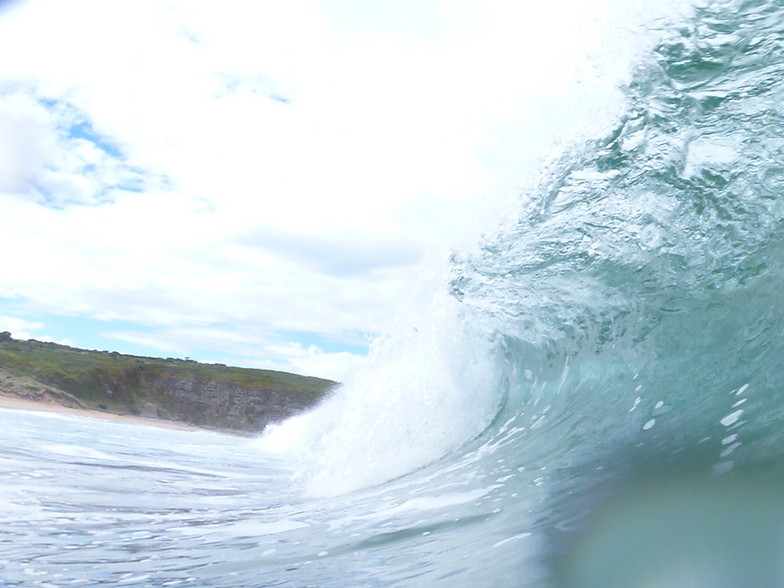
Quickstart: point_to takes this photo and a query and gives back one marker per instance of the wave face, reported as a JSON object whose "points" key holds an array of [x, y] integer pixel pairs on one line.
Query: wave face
{"points": [[623, 333], [643, 280]]}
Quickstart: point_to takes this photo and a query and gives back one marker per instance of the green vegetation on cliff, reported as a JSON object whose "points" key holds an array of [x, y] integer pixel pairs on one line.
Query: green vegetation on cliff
{"points": [[212, 395]]}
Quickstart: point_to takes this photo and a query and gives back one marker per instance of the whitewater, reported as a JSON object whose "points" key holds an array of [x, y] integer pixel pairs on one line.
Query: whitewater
{"points": [[590, 393]]}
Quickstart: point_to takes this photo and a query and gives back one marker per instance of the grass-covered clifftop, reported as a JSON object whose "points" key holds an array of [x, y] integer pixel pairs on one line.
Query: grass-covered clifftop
{"points": [[210, 395]]}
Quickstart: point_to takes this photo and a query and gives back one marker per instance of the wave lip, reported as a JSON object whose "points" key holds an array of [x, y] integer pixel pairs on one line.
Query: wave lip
{"points": [[422, 393]]}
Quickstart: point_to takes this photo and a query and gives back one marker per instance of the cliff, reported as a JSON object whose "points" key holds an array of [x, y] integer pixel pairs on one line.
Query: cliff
{"points": [[214, 396]]}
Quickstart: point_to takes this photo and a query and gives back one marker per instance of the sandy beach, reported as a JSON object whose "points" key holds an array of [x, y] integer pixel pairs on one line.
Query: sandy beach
{"points": [[13, 402]]}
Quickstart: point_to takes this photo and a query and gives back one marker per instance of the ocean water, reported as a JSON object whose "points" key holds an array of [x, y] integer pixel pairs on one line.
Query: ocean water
{"points": [[593, 396]]}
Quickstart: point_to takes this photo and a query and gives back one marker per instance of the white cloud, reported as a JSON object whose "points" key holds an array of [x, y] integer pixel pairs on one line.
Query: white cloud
{"points": [[23, 329], [19, 328], [275, 166], [247, 349], [310, 361]]}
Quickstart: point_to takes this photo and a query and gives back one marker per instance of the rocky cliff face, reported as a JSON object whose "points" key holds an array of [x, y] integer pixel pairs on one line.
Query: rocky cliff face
{"points": [[212, 404], [222, 405]]}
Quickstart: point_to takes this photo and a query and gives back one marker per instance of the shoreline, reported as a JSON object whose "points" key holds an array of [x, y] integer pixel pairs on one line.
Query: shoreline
{"points": [[16, 403]]}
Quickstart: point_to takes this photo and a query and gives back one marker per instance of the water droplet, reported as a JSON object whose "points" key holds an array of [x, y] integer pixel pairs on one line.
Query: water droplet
{"points": [[729, 449], [731, 418], [723, 467]]}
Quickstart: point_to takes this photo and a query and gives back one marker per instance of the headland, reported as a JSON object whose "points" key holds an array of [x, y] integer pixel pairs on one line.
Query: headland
{"points": [[171, 392]]}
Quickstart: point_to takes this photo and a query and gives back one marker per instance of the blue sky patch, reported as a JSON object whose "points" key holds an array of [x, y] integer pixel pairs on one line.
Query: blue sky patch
{"points": [[84, 130]]}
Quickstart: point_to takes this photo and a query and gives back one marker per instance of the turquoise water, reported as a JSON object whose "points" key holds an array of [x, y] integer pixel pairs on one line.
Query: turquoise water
{"points": [[596, 400]]}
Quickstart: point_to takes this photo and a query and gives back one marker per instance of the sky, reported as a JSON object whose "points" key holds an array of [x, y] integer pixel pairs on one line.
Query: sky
{"points": [[260, 183]]}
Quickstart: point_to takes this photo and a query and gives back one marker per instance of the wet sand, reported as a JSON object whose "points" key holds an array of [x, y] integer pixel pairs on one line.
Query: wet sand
{"points": [[14, 402]]}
